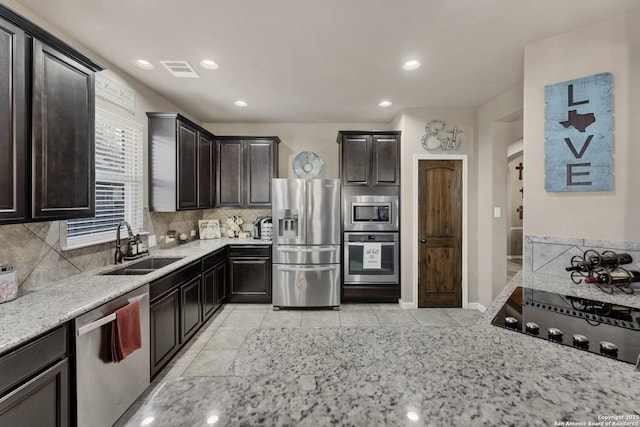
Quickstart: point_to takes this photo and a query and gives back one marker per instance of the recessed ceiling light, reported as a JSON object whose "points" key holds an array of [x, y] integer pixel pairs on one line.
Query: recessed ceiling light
{"points": [[385, 103], [208, 64], [411, 65], [143, 63], [240, 103]]}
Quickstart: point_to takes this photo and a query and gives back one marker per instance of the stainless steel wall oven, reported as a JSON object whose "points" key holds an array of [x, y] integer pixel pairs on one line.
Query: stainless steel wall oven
{"points": [[371, 258]]}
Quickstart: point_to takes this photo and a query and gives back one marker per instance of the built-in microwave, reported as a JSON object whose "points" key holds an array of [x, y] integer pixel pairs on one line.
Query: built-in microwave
{"points": [[371, 213]]}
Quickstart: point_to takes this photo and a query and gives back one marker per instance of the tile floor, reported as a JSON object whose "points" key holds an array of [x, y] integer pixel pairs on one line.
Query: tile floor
{"points": [[211, 353]]}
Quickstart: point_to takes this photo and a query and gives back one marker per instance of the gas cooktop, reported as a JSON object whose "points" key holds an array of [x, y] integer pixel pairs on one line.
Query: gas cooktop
{"points": [[610, 330]]}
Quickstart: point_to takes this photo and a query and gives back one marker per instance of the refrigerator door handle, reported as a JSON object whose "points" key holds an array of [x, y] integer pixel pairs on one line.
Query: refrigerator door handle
{"points": [[298, 269], [308, 249]]}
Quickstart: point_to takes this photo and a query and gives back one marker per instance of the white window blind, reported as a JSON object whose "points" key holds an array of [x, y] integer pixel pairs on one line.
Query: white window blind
{"points": [[118, 182]]}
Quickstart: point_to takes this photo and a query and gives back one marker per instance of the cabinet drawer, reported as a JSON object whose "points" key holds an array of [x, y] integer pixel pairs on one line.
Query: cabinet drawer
{"points": [[171, 280], [213, 259], [250, 251], [19, 365]]}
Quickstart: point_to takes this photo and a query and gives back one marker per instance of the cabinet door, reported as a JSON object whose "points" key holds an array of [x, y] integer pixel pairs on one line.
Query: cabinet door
{"points": [[249, 279], [208, 293], [259, 170], [206, 175], [63, 127], [356, 159], [221, 284], [385, 160], [191, 308], [42, 401], [187, 167], [230, 172], [13, 119], [213, 289], [165, 330]]}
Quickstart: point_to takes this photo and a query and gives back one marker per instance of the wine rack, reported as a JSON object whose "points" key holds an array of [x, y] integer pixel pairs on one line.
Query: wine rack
{"points": [[604, 270]]}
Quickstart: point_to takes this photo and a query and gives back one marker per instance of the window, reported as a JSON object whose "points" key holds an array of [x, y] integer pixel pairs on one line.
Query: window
{"points": [[118, 182]]}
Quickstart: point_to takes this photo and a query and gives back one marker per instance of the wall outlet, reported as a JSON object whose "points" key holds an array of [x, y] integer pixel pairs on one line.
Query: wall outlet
{"points": [[193, 233], [152, 240]]}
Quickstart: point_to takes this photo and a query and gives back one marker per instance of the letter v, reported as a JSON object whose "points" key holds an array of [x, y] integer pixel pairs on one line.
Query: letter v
{"points": [[584, 147]]}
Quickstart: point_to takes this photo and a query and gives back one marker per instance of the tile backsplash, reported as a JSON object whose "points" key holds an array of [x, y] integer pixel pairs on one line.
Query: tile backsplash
{"points": [[35, 252], [550, 254]]}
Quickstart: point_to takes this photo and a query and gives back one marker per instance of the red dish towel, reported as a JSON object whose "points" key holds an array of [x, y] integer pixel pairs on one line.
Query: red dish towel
{"points": [[125, 332]]}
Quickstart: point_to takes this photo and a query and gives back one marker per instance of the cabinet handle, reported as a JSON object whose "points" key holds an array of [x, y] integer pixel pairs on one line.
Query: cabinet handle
{"points": [[423, 241]]}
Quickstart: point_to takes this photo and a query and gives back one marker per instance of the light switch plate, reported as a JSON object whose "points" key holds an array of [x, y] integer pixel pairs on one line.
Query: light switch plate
{"points": [[497, 212], [193, 233]]}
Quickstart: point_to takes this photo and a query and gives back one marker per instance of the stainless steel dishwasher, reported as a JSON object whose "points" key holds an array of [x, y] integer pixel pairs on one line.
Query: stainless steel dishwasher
{"points": [[106, 389]]}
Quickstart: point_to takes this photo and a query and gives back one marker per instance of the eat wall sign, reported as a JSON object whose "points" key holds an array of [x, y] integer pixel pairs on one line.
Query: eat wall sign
{"points": [[578, 134]]}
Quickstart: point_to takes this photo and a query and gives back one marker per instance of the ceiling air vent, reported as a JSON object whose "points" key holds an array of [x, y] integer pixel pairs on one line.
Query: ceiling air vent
{"points": [[180, 69]]}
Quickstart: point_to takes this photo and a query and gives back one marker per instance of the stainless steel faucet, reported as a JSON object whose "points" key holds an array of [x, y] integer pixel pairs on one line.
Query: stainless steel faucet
{"points": [[119, 254]]}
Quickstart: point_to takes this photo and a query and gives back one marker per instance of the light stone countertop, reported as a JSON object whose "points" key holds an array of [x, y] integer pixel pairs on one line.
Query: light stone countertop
{"points": [[47, 306], [481, 375]]}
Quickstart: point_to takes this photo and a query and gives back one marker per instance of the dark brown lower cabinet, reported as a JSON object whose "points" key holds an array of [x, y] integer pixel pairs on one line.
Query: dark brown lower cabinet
{"points": [[249, 274], [214, 283], [165, 329], [34, 383], [191, 308]]}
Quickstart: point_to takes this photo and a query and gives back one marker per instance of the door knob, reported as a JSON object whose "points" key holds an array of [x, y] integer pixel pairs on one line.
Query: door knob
{"points": [[423, 241]]}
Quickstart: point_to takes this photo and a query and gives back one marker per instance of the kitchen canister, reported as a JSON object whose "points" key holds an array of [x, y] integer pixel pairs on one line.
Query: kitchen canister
{"points": [[8, 283]]}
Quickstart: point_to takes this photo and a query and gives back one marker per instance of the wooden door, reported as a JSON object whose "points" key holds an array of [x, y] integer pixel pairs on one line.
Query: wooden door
{"points": [[440, 233]]}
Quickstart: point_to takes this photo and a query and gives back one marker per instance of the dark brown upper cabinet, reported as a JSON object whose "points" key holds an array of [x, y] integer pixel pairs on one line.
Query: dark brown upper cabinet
{"points": [[245, 166], [47, 129], [181, 164], [369, 158]]}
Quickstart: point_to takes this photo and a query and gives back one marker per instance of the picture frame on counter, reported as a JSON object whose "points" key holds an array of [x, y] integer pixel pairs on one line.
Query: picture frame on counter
{"points": [[209, 229]]}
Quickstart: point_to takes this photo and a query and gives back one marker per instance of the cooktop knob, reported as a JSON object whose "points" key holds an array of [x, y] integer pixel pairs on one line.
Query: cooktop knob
{"points": [[511, 322], [580, 341], [532, 328], [608, 349], [554, 334]]}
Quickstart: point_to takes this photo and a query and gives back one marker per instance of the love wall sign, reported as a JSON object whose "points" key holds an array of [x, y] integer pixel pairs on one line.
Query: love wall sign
{"points": [[578, 134]]}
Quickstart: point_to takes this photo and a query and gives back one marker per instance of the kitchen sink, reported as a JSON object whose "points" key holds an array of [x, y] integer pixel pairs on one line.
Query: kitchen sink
{"points": [[142, 267]]}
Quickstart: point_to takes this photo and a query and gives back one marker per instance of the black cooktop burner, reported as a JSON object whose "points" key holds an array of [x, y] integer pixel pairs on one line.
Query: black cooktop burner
{"points": [[607, 329]]}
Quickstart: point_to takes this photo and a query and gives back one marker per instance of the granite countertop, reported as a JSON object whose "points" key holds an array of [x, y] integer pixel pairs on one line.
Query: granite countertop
{"points": [[47, 306], [480, 375]]}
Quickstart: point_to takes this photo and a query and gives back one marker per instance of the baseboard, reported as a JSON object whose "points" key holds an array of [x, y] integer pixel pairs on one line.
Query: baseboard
{"points": [[407, 305], [477, 306]]}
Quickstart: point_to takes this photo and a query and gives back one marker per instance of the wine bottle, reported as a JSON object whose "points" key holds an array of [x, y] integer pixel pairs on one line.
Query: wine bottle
{"points": [[615, 278], [608, 260]]}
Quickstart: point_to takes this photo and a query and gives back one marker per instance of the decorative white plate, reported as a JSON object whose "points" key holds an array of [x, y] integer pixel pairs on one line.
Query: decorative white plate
{"points": [[307, 164]]}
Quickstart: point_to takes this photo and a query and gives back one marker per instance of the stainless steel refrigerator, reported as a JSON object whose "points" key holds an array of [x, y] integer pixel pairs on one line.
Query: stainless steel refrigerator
{"points": [[306, 242]]}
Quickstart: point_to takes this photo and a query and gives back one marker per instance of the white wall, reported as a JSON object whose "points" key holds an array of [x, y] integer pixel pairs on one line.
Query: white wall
{"points": [[296, 137], [610, 46], [412, 124], [496, 131]]}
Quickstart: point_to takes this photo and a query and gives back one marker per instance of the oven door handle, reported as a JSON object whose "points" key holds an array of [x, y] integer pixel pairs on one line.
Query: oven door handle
{"points": [[363, 243], [85, 329], [318, 249], [310, 268]]}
